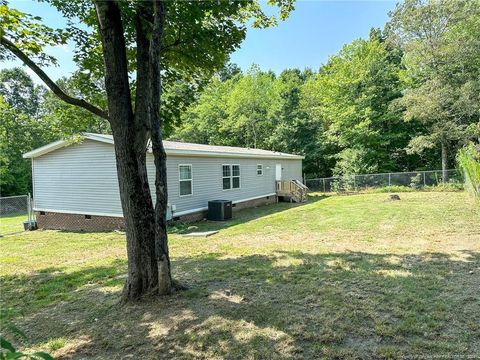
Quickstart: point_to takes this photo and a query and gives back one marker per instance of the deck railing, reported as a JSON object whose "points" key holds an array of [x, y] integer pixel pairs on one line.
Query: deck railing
{"points": [[294, 189]]}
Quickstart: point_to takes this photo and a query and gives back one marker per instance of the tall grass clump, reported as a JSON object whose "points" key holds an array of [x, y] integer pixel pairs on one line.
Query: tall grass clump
{"points": [[468, 160]]}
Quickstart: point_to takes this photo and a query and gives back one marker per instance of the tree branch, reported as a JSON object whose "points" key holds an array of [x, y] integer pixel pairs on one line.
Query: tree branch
{"points": [[143, 29], [177, 41], [115, 60], [50, 83]]}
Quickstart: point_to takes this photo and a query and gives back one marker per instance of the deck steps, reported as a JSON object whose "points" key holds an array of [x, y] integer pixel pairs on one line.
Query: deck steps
{"points": [[292, 190]]}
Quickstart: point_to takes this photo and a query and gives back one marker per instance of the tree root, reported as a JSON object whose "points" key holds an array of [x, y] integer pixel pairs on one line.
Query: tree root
{"points": [[177, 286]]}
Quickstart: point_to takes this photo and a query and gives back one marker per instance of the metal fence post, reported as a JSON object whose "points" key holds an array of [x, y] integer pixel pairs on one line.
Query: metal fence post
{"points": [[29, 208], [324, 186], [424, 181], [389, 179]]}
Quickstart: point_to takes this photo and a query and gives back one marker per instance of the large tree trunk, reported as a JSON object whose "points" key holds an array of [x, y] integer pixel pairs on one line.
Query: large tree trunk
{"points": [[139, 219], [444, 161], [130, 139], [161, 239], [160, 158]]}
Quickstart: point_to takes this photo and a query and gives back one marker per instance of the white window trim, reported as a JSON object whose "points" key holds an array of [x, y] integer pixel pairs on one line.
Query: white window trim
{"points": [[231, 177], [259, 169], [180, 180]]}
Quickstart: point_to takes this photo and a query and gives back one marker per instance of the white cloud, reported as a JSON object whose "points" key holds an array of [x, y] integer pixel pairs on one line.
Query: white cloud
{"points": [[63, 47]]}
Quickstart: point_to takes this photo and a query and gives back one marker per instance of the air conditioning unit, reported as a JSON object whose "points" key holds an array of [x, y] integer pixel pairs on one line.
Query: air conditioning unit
{"points": [[219, 210]]}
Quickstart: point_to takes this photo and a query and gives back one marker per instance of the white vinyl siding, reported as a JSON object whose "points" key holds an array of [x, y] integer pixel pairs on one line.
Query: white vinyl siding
{"points": [[208, 181], [291, 169], [82, 179]]}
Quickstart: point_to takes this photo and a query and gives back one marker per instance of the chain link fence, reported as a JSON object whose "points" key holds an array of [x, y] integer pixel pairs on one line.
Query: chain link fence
{"points": [[14, 211], [413, 179]]}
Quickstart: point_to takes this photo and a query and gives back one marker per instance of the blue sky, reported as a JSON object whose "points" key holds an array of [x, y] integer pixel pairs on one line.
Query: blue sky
{"points": [[312, 33]]}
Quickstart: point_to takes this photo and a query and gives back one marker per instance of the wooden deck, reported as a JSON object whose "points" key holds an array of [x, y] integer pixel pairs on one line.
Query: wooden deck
{"points": [[292, 190]]}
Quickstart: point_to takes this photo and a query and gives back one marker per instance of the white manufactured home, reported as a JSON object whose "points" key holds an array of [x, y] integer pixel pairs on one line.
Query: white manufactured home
{"points": [[75, 185]]}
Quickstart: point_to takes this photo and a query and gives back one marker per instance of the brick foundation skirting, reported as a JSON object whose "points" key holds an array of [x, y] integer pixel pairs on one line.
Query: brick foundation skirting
{"points": [[63, 221], [256, 202]]}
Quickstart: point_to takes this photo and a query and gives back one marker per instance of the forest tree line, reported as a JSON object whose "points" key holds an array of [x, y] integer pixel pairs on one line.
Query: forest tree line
{"points": [[405, 98]]}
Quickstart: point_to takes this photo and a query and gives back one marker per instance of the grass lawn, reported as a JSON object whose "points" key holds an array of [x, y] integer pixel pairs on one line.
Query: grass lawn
{"points": [[340, 277], [11, 224]]}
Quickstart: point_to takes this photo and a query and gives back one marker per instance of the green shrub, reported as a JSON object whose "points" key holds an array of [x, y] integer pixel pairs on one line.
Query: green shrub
{"points": [[346, 183], [56, 344], [416, 181], [442, 187], [468, 160], [393, 188], [336, 186], [8, 351], [178, 227], [446, 187]]}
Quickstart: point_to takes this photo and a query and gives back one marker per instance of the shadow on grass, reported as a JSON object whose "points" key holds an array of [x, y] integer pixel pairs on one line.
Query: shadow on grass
{"points": [[25, 293], [239, 217], [244, 215], [288, 305]]}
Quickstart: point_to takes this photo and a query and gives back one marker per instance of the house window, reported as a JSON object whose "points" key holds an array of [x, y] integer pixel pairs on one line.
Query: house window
{"points": [[227, 177], [231, 177], [185, 177], [236, 176], [259, 169]]}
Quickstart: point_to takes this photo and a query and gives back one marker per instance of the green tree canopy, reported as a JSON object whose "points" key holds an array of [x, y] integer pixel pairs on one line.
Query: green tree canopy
{"points": [[19, 91], [351, 96], [442, 70]]}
